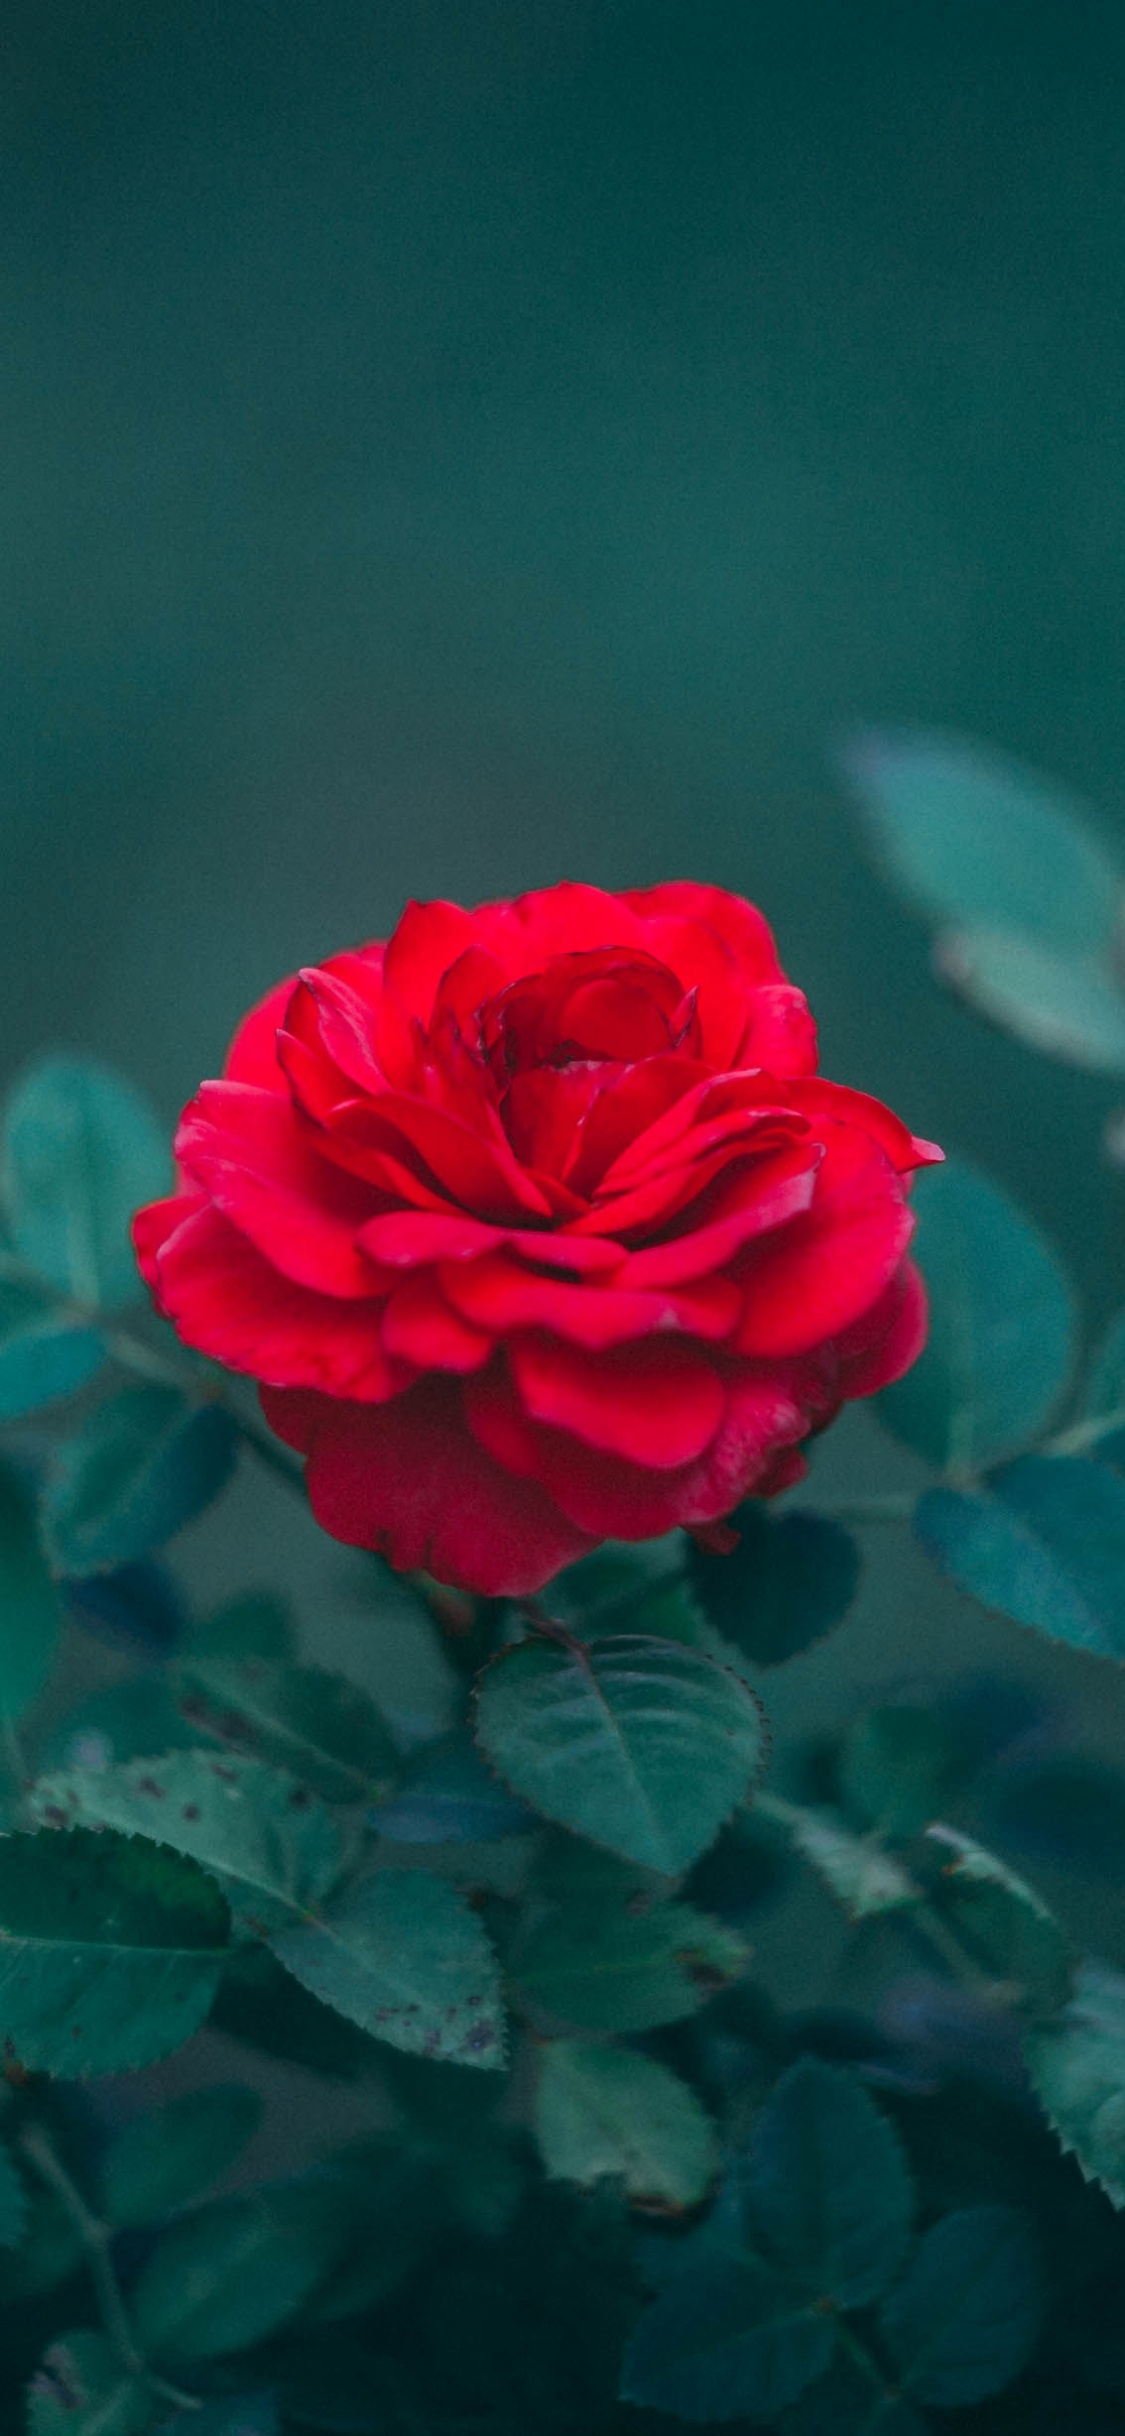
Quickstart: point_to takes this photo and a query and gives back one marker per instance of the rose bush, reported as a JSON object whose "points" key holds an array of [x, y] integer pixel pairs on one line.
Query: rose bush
{"points": [[536, 1226]]}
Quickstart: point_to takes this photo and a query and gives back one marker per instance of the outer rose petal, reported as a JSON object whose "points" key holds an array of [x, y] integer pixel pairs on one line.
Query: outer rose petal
{"points": [[225, 1299], [409, 1480], [811, 1281], [252, 1055], [738, 923], [659, 1402], [889, 1339], [246, 1148]]}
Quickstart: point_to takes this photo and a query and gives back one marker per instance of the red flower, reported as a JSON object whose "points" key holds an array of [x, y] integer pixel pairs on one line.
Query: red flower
{"points": [[536, 1228]]}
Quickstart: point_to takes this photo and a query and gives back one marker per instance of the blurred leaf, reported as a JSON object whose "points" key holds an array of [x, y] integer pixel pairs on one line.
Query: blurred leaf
{"points": [[848, 2402], [827, 2186], [29, 1609], [44, 1352], [1069, 1813], [80, 1150], [262, 2005], [604, 1968], [971, 837], [387, 2195], [446, 1795], [137, 1608], [604, 2112], [861, 1876], [1042, 1541], [272, 1845], [123, 1721], [600, 1591], [13, 2203], [965, 2318], [165, 2157], [317, 1724], [235, 2415], [1003, 1923], [1001, 1338], [898, 1765], [790, 1580], [642, 1745], [1077, 2067], [404, 1957], [110, 1951], [81, 2389], [255, 1625], [230, 2273], [1105, 1393], [143, 1464], [725, 2341], [1066, 1005], [49, 2252]]}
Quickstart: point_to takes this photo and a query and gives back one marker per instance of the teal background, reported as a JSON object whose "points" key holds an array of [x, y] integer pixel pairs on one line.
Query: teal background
{"points": [[450, 445]]}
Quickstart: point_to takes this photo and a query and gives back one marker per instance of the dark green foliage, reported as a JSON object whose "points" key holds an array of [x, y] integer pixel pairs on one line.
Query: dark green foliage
{"points": [[80, 1150], [606, 2113], [326, 1731], [787, 1583], [403, 1956], [29, 1610], [161, 2160], [604, 1969], [1043, 1541], [828, 2190], [1001, 1337], [641, 1744], [727, 2342], [110, 1951], [965, 2317], [45, 1352], [142, 1466]]}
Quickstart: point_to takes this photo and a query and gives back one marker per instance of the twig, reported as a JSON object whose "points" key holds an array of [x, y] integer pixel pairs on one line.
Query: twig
{"points": [[96, 2239]]}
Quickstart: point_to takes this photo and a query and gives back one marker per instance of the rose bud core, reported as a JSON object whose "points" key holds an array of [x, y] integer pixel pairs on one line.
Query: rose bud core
{"points": [[536, 1227]]}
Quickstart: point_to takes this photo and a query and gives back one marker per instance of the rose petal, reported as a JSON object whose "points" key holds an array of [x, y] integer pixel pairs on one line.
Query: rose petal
{"points": [[410, 1480], [421, 1327], [816, 1278], [226, 1300], [247, 1148], [889, 1338], [658, 1402], [841, 1105], [498, 1294], [252, 1055], [760, 1195]]}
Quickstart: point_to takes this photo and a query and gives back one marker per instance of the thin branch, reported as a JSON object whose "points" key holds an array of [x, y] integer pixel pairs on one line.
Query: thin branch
{"points": [[96, 2240]]}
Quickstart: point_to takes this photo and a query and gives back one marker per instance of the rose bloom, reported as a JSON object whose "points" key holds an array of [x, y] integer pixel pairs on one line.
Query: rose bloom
{"points": [[536, 1227]]}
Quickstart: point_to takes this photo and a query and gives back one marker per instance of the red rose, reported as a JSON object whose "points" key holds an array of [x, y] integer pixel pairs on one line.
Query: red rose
{"points": [[536, 1228]]}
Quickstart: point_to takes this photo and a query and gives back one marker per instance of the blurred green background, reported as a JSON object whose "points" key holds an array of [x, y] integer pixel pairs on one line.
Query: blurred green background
{"points": [[452, 447]]}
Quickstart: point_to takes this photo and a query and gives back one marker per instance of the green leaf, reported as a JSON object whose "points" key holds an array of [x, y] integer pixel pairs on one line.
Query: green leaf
{"points": [[1105, 1393], [142, 1465], [49, 2252], [29, 1609], [403, 1956], [642, 1745], [850, 2401], [1077, 2067], [790, 1581], [110, 1951], [446, 1795], [263, 2006], [971, 837], [80, 1150], [1066, 1005], [1007, 1929], [165, 2157], [45, 1352], [320, 1726], [271, 1844], [603, 2112], [81, 2389], [1042, 1541], [898, 1765], [13, 2203], [856, 1870], [233, 2271], [122, 1721], [604, 1968], [1001, 1338], [965, 2318], [828, 2187], [255, 1625], [725, 2341]]}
